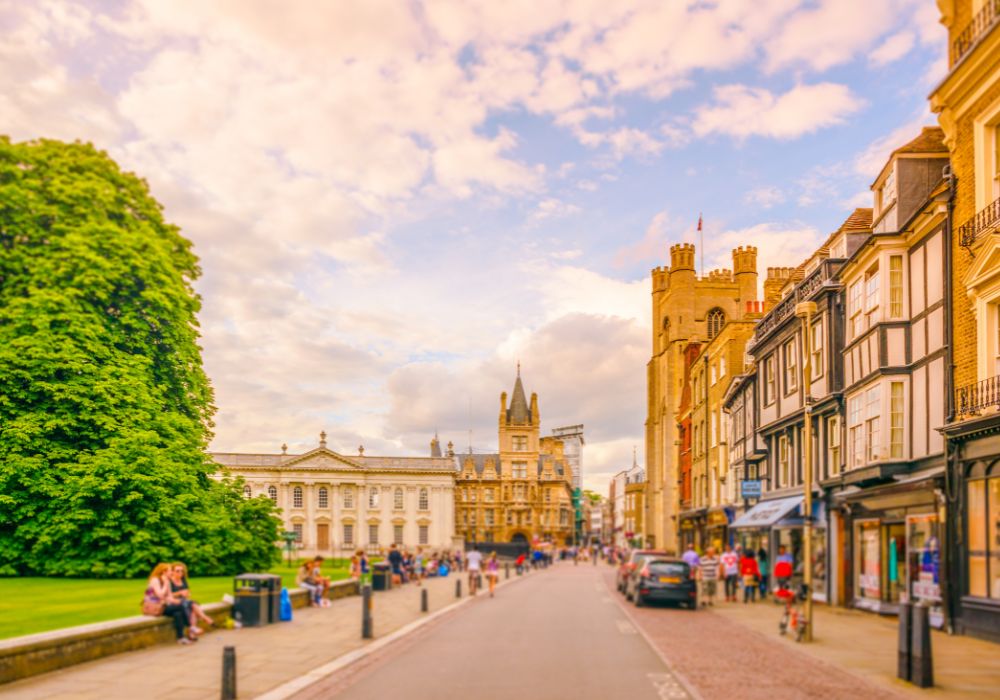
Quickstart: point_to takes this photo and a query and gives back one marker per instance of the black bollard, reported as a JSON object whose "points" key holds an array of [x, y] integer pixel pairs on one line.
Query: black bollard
{"points": [[366, 612], [921, 659], [905, 641], [458, 588], [506, 569], [423, 600], [229, 673]]}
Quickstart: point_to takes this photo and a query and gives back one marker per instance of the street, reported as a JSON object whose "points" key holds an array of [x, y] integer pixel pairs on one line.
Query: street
{"points": [[557, 634]]}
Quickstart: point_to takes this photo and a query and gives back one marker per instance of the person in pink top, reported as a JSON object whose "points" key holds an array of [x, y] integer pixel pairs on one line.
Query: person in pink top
{"points": [[730, 562]]}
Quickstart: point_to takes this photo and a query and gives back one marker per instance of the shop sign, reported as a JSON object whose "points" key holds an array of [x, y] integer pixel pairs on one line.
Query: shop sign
{"points": [[750, 488]]}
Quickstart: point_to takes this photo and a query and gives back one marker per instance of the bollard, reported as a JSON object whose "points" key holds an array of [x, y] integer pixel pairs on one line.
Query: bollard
{"points": [[458, 588], [921, 659], [905, 641], [423, 600], [366, 612], [506, 569], [229, 673]]}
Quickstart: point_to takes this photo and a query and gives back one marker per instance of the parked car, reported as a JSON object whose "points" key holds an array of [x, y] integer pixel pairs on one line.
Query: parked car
{"points": [[666, 579], [631, 565]]}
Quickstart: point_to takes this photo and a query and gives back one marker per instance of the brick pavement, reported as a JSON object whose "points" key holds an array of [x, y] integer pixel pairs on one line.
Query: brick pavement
{"points": [[266, 656]]}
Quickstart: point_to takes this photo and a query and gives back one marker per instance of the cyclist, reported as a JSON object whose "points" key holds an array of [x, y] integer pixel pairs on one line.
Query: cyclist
{"points": [[474, 565]]}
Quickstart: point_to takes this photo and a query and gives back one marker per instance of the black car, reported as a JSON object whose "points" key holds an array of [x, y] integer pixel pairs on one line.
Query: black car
{"points": [[669, 580]]}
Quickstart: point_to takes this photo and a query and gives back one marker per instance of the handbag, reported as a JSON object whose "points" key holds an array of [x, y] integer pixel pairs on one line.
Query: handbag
{"points": [[152, 606], [749, 580]]}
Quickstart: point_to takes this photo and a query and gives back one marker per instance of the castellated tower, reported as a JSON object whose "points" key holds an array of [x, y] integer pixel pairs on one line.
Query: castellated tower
{"points": [[682, 305]]}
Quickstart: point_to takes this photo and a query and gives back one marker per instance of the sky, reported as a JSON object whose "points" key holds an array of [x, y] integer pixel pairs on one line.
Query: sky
{"points": [[395, 202]]}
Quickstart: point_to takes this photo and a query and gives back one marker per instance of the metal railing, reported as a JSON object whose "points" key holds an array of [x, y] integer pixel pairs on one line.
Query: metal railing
{"points": [[981, 23], [972, 399], [986, 219]]}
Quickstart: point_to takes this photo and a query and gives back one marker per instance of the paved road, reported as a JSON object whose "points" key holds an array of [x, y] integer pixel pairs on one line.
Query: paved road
{"points": [[556, 634]]}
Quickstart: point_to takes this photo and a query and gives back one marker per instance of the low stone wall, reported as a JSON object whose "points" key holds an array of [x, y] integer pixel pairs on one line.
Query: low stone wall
{"points": [[22, 657]]}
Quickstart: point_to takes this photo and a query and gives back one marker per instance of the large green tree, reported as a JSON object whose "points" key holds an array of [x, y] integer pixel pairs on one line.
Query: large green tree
{"points": [[105, 410]]}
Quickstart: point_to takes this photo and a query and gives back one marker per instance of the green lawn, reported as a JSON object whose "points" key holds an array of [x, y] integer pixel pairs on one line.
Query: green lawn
{"points": [[30, 605]]}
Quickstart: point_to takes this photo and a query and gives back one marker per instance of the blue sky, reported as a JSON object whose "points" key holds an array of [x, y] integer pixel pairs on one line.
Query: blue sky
{"points": [[394, 202]]}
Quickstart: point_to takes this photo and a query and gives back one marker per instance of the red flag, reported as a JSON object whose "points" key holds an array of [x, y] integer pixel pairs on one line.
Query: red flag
{"points": [[699, 222]]}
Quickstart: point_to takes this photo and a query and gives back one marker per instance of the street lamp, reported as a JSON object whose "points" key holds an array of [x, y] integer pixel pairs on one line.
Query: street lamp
{"points": [[289, 536], [805, 311]]}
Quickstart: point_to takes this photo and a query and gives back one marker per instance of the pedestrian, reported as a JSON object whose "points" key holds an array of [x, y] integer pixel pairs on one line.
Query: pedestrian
{"points": [[396, 562], [730, 563], [691, 557], [708, 569], [764, 571], [784, 566], [418, 565], [492, 572], [751, 576]]}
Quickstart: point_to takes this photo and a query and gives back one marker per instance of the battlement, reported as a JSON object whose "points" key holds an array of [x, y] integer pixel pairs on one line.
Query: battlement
{"points": [[745, 260], [682, 257], [780, 273], [719, 276]]}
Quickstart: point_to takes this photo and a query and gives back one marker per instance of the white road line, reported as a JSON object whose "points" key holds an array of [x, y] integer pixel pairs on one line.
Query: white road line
{"points": [[667, 686], [625, 627]]}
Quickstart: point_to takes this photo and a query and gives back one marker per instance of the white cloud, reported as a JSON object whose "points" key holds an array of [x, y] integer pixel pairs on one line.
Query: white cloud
{"points": [[870, 161], [552, 208], [893, 48], [779, 244], [651, 247], [765, 197], [742, 111]]}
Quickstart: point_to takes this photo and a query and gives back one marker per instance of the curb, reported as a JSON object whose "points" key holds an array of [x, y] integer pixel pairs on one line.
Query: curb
{"points": [[290, 688]]}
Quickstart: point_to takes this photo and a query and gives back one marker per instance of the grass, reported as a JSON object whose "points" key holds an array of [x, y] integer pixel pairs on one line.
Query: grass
{"points": [[30, 605]]}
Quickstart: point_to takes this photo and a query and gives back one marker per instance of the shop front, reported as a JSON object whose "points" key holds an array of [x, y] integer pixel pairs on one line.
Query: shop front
{"points": [[717, 528], [777, 523], [896, 548], [692, 529]]}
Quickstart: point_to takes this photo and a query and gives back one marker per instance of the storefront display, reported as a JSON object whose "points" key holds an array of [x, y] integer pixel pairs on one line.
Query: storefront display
{"points": [[869, 561], [983, 525]]}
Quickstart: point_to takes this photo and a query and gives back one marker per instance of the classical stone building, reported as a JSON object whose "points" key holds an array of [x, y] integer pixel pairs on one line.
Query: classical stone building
{"points": [[523, 492], [337, 503], [685, 307]]}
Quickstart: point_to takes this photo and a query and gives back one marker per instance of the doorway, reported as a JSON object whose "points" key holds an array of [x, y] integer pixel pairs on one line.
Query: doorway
{"points": [[323, 536]]}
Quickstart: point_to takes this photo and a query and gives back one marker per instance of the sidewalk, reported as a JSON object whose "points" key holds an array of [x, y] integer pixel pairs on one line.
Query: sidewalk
{"points": [[265, 656], [865, 645]]}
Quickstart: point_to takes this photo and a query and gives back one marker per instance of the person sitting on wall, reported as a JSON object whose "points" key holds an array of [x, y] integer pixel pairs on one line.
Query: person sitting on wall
{"points": [[182, 592], [304, 579], [323, 581]]}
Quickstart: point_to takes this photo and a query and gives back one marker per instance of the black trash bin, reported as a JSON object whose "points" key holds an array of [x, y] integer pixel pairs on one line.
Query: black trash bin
{"points": [[381, 576], [255, 601]]}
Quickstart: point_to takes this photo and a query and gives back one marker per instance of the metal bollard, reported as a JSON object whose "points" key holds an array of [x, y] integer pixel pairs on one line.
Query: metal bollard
{"points": [[366, 612], [423, 600], [458, 588], [921, 659], [903, 668], [506, 569], [229, 673]]}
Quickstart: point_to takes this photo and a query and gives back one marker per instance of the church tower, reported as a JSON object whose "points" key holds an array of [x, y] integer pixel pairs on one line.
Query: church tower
{"points": [[519, 433]]}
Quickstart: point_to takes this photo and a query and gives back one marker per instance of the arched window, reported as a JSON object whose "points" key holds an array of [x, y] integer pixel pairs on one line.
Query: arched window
{"points": [[715, 321], [247, 493], [323, 497], [272, 493], [423, 503], [297, 497], [397, 499], [348, 497]]}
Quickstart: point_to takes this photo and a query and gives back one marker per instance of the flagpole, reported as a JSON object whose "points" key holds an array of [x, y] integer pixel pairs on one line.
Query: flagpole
{"points": [[701, 244]]}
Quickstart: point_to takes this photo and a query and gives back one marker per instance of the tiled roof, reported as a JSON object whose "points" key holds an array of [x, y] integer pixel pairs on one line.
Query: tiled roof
{"points": [[859, 220], [930, 140]]}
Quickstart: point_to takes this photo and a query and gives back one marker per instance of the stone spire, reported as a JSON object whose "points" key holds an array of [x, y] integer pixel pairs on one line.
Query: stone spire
{"points": [[518, 412], [435, 446]]}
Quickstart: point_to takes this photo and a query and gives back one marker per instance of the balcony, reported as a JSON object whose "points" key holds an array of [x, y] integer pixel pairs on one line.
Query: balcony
{"points": [[986, 220], [981, 23], [973, 399]]}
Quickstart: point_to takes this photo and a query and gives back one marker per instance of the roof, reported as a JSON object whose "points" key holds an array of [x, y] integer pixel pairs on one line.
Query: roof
{"points": [[930, 140], [859, 220], [236, 460], [518, 413]]}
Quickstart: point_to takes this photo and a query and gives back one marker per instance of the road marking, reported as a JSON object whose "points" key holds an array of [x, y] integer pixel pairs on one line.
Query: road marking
{"points": [[667, 686], [625, 627], [606, 599]]}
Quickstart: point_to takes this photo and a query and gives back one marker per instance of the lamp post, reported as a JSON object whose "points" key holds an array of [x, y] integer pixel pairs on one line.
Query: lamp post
{"points": [[289, 537], [805, 311]]}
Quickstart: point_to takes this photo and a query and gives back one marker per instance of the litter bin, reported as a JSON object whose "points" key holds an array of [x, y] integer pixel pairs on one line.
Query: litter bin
{"points": [[381, 576], [256, 599]]}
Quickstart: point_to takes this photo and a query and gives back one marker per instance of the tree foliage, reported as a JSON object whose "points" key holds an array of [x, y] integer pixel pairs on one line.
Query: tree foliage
{"points": [[105, 410]]}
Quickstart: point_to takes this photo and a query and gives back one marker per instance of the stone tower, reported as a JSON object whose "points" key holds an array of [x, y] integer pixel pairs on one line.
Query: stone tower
{"points": [[686, 308]]}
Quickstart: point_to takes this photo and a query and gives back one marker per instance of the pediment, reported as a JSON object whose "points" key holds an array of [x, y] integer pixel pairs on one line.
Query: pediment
{"points": [[322, 458], [986, 266]]}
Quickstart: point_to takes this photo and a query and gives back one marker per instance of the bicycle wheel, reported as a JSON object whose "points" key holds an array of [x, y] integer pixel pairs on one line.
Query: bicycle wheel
{"points": [[783, 623]]}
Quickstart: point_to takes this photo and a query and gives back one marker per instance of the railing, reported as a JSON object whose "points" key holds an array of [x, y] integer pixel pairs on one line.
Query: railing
{"points": [[803, 292], [986, 219], [974, 398], [981, 23]]}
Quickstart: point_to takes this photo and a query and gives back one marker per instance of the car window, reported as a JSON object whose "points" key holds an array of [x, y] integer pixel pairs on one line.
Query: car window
{"points": [[668, 568]]}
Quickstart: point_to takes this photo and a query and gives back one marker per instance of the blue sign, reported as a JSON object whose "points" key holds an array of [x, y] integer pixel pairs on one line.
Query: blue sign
{"points": [[750, 488]]}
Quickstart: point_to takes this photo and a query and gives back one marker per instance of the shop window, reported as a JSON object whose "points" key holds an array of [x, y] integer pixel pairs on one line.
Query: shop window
{"points": [[895, 286], [983, 530], [896, 420], [868, 561], [923, 544]]}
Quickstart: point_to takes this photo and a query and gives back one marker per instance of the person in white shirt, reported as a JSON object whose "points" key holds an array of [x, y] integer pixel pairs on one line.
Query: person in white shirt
{"points": [[730, 561], [474, 565]]}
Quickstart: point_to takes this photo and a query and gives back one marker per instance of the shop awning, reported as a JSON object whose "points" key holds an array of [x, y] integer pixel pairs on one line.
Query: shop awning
{"points": [[767, 513]]}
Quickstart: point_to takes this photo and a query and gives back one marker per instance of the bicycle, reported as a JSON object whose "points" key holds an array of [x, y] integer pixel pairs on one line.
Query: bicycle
{"points": [[794, 615]]}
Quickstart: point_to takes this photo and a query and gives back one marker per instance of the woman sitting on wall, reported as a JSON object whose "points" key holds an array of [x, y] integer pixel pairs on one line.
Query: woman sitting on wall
{"points": [[182, 592], [158, 601]]}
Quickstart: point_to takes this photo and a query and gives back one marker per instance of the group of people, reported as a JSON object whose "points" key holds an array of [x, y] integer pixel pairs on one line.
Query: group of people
{"points": [[168, 594], [739, 569]]}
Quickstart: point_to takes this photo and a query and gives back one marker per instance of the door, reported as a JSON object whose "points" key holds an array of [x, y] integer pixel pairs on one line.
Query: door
{"points": [[323, 536]]}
